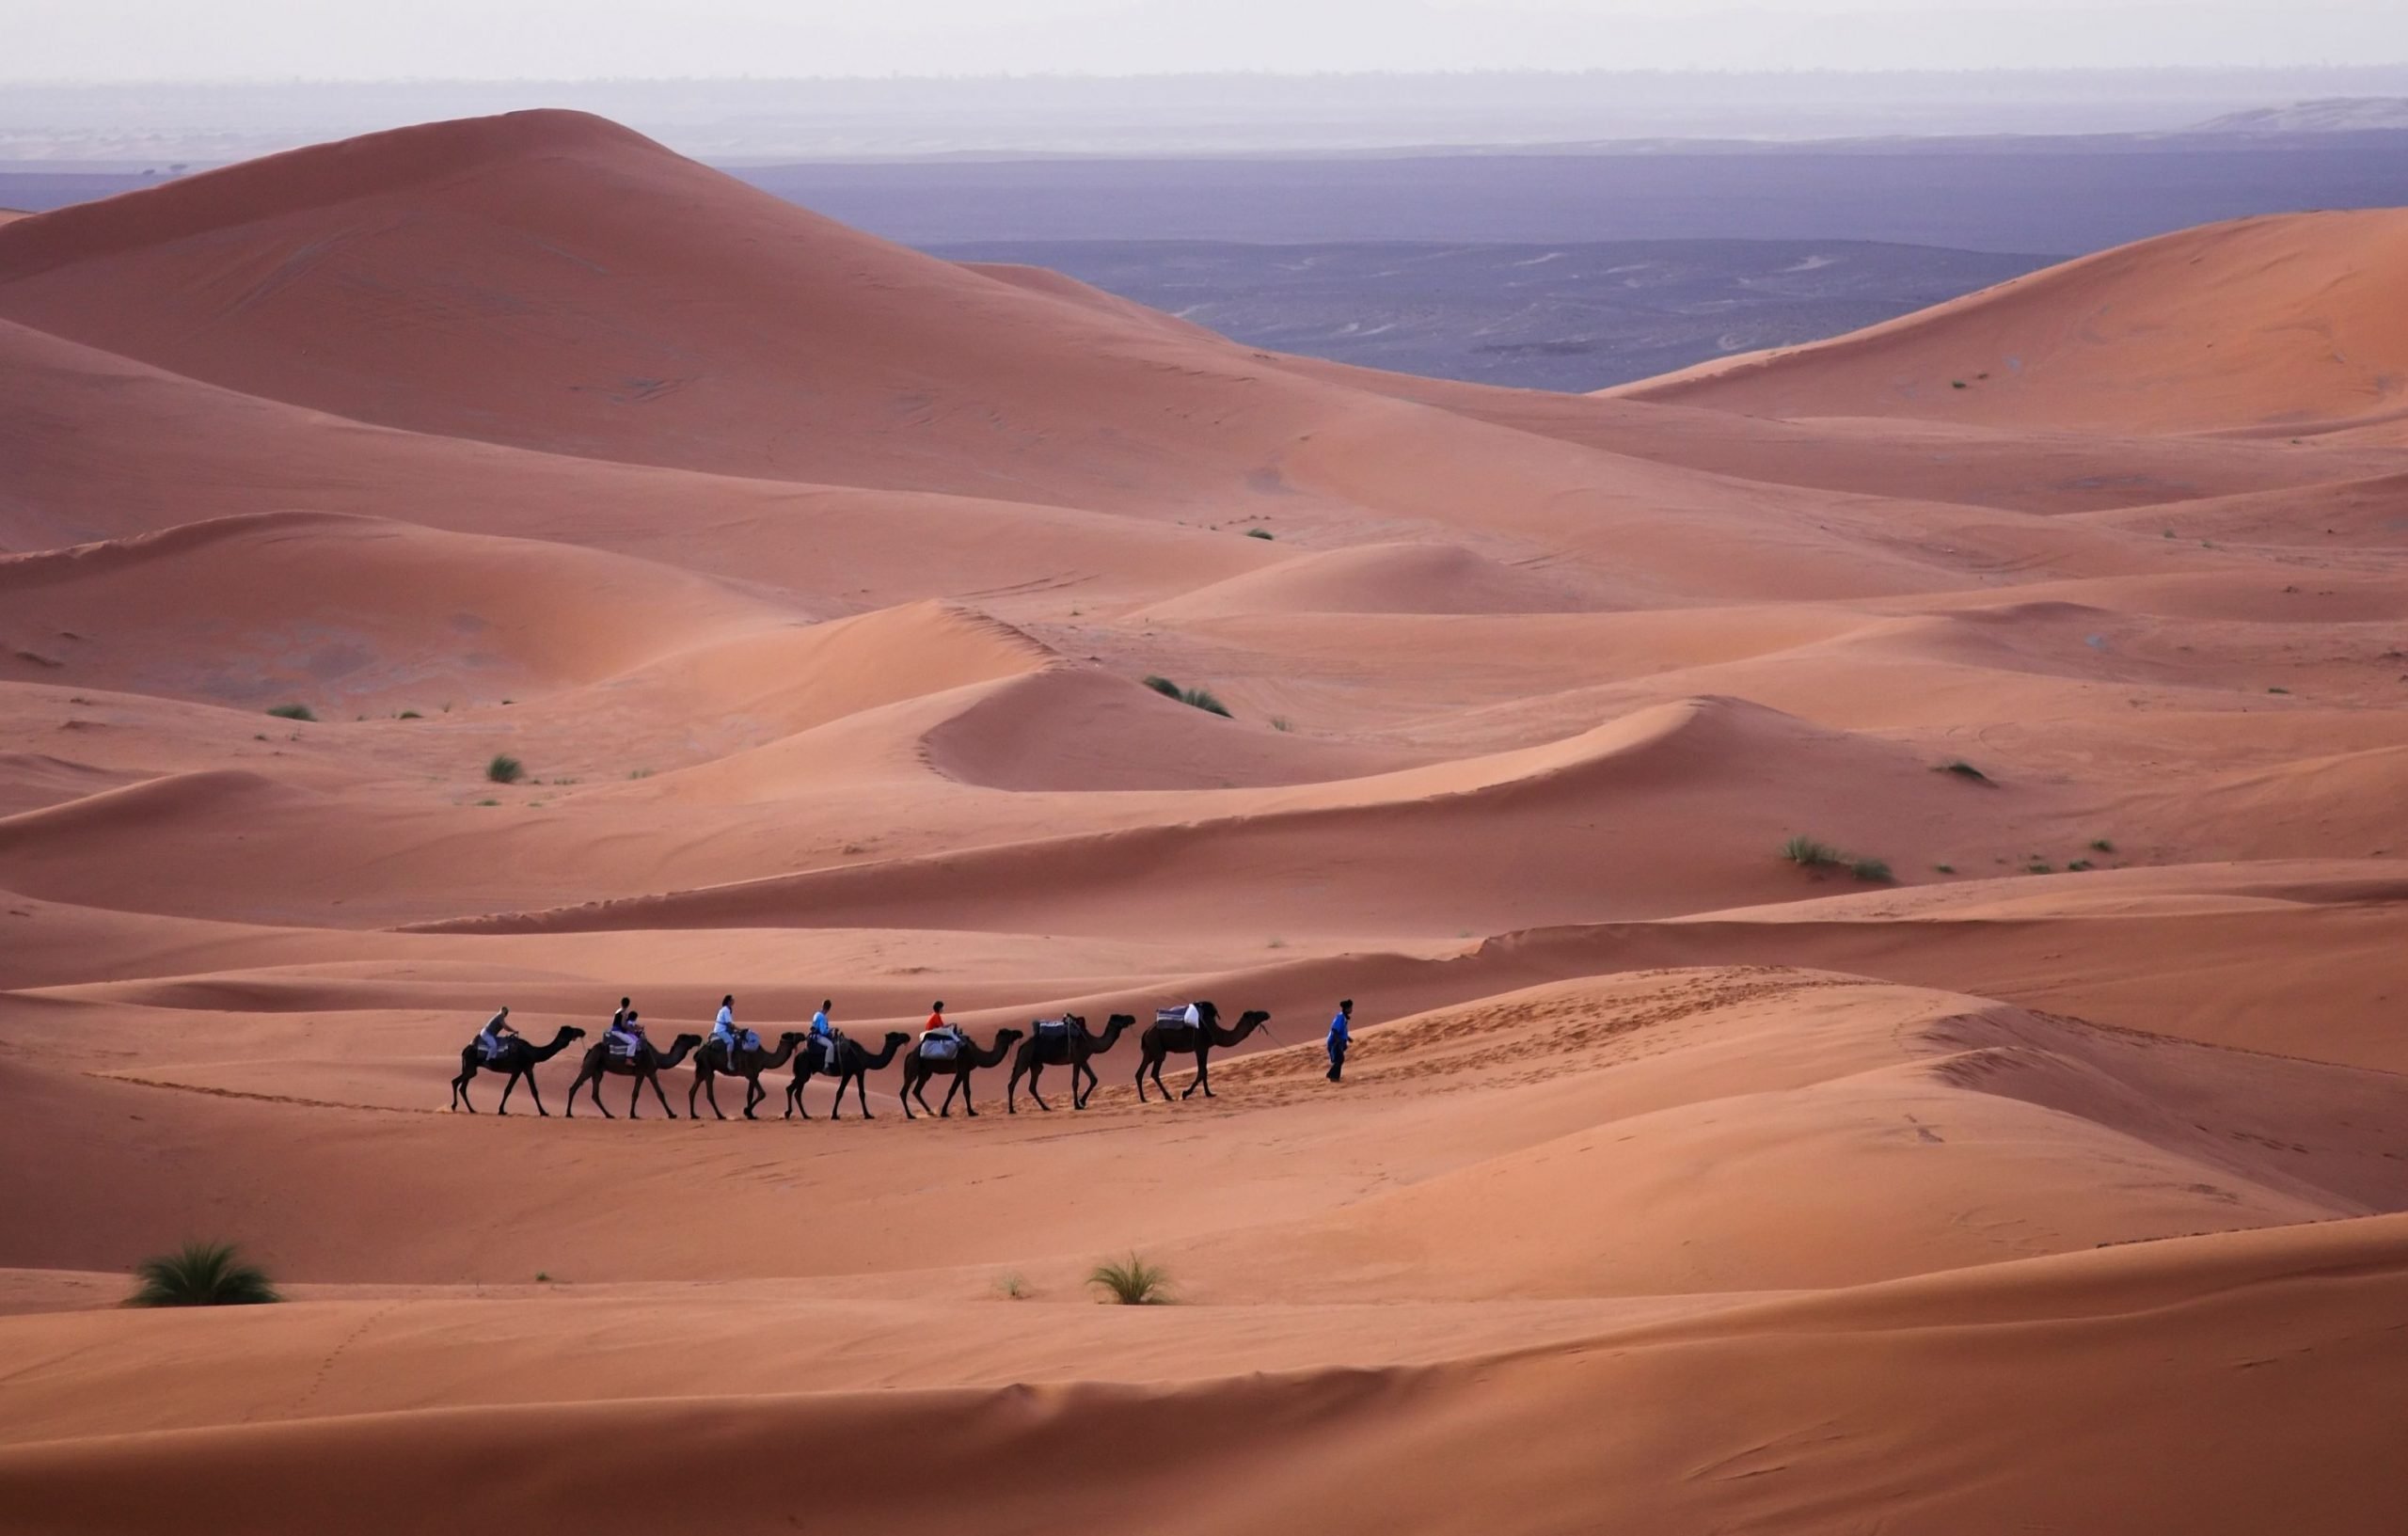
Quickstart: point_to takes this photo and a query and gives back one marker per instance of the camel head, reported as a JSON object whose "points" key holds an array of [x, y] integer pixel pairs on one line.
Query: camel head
{"points": [[1005, 1036], [1252, 1019], [794, 1037], [572, 1033], [897, 1038], [1121, 1021], [685, 1042]]}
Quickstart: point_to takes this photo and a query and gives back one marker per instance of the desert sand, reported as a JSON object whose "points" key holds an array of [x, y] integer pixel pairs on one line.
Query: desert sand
{"points": [[2041, 1165]]}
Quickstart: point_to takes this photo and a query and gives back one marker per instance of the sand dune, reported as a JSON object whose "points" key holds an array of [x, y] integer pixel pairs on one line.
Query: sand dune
{"points": [[2035, 1164], [2228, 326], [1376, 579]]}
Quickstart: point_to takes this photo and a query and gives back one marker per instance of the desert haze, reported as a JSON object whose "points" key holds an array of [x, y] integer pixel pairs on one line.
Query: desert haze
{"points": [[1870, 877]]}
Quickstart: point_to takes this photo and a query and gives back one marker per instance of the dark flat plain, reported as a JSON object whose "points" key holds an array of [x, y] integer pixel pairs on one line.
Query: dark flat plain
{"points": [[1569, 316]]}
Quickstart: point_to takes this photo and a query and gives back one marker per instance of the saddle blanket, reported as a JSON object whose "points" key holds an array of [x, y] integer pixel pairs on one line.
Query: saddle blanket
{"points": [[490, 1047], [1178, 1017], [622, 1044], [939, 1047], [1050, 1028]]}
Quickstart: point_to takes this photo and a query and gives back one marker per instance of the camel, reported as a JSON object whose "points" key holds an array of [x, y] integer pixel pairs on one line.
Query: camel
{"points": [[518, 1059], [1071, 1048], [853, 1065], [645, 1067], [1160, 1040], [966, 1059], [711, 1062]]}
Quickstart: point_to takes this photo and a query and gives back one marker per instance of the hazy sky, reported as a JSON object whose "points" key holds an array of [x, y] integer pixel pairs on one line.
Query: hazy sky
{"points": [[102, 40]]}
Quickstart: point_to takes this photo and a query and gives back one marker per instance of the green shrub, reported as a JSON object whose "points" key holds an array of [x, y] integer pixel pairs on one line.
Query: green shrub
{"points": [[1808, 853], [1872, 870], [1132, 1282], [504, 769], [1965, 770], [1198, 698], [2100, 845], [409, 714], [2040, 868], [293, 711], [1944, 869], [201, 1274], [1257, 532]]}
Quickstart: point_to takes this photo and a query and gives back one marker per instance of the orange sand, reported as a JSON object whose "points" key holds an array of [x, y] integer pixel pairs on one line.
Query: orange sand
{"points": [[1673, 1186]]}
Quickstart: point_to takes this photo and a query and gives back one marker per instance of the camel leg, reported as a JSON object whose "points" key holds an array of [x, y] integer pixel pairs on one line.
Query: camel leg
{"points": [[536, 1094], [1202, 1080], [654, 1078], [508, 1086], [1157, 1065], [1012, 1088], [860, 1092], [753, 1094], [460, 1090], [1080, 1068], [794, 1100], [1141, 1080], [1033, 1073], [967, 1107], [950, 1089]]}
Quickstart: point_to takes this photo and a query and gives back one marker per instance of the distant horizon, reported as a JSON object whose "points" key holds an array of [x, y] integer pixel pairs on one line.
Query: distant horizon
{"points": [[730, 119], [266, 40], [1018, 77]]}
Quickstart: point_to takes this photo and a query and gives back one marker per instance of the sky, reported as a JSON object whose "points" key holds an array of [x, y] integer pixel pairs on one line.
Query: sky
{"points": [[563, 40]]}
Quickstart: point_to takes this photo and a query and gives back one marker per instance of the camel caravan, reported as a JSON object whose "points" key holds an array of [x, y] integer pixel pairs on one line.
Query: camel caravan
{"points": [[941, 1049]]}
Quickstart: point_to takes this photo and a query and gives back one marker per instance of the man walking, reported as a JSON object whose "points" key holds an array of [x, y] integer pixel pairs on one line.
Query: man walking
{"points": [[1340, 1034]]}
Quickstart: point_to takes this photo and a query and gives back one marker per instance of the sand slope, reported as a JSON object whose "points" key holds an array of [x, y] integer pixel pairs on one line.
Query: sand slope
{"points": [[2282, 320]]}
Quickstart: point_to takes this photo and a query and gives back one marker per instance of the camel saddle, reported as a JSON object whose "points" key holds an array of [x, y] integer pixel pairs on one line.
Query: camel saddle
{"points": [[941, 1045], [1051, 1029], [622, 1044]]}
